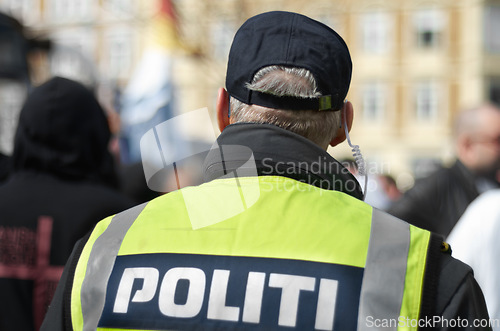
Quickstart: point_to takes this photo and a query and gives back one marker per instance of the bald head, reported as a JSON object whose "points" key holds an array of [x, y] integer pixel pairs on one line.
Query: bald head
{"points": [[471, 121], [477, 137]]}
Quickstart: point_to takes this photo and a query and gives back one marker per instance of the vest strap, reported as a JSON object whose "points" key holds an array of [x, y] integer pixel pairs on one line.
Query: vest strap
{"points": [[386, 260], [101, 261]]}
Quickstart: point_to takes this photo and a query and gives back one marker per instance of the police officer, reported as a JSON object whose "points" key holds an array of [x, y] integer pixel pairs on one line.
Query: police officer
{"points": [[278, 235]]}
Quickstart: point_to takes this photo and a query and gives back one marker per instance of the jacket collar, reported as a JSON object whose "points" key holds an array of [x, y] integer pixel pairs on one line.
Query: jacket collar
{"points": [[276, 152], [475, 184]]}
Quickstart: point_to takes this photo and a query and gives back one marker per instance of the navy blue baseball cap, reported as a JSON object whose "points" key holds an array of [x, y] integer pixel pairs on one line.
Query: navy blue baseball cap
{"points": [[291, 40]]}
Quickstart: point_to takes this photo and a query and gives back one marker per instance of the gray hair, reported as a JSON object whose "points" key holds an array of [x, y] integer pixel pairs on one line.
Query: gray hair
{"points": [[318, 126]]}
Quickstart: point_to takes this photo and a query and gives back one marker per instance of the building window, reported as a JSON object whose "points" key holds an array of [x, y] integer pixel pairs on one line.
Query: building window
{"points": [[491, 29], [119, 55], [120, 7], [375, 27], [67, 10], [429, 25], [426, 101], [374, 96]]}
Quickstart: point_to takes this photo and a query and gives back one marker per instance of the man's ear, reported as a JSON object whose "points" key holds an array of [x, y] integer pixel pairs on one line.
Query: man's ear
{"points": [[348, 114], [465, 150], [222, 108]]}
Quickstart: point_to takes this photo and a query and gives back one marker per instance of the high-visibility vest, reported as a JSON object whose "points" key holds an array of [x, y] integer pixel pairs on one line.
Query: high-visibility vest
{"points": [[250, 253]]}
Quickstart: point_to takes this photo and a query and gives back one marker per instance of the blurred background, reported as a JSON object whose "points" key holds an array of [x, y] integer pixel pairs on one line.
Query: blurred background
{"points": [[417, 63]]}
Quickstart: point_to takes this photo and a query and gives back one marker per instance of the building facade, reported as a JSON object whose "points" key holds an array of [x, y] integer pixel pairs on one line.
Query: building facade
{"points": [[416, 62]]}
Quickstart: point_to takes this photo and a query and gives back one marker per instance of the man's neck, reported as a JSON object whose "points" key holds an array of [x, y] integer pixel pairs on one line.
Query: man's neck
{"points": [[277, 152]]}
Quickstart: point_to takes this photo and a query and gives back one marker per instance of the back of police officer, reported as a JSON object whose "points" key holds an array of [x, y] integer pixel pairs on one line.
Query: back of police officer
{"points": [[278, 235]]}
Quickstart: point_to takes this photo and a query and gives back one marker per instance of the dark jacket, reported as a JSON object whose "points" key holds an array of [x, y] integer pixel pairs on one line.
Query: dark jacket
{"points": [[63, 182], [450, 289], [4, 167], [436, 202]]}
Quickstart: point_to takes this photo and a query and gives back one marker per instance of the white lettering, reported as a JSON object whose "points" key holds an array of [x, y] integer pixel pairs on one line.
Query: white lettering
{"points": [[253, 297], [217, 308], [150, 277], [369, 321], [291, 286], [175, 300], [327, 297], [196, 292]]}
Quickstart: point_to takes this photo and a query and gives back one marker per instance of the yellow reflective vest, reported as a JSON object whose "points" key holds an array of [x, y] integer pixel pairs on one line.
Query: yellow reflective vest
{"points": [[251, 253]]}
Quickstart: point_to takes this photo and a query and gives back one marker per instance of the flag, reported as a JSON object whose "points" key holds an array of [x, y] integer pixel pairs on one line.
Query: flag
{"points": [[149, 97]]}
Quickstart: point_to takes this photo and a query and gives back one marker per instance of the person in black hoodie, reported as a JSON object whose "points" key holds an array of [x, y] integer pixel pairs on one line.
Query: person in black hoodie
{"points": [[4, 167], [63, 182]]}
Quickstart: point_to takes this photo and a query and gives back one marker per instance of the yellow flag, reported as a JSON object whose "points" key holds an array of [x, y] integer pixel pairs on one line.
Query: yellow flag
{"points": [[163, 30]]}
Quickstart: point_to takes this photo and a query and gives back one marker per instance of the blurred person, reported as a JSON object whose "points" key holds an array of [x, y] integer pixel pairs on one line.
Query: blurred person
{"points": [[63, 182], [474, 240], [390, 188], [382, 192], [130, 175], [277, 237], [436, 202]]}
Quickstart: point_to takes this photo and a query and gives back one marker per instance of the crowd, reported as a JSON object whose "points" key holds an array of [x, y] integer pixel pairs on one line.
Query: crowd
{"points": [[272, 238]]}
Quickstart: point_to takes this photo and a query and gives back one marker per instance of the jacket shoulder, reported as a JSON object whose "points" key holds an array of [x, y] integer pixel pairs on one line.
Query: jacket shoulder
{"points": [[457, 295], [452, 274]]}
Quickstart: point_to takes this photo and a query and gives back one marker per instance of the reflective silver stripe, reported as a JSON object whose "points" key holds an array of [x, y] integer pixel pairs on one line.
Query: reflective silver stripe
{"points": [[385, 270], [100, 264]]}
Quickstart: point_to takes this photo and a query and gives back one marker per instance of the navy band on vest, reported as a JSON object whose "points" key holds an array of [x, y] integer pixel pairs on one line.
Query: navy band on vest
{"points": [[185, 291]]}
